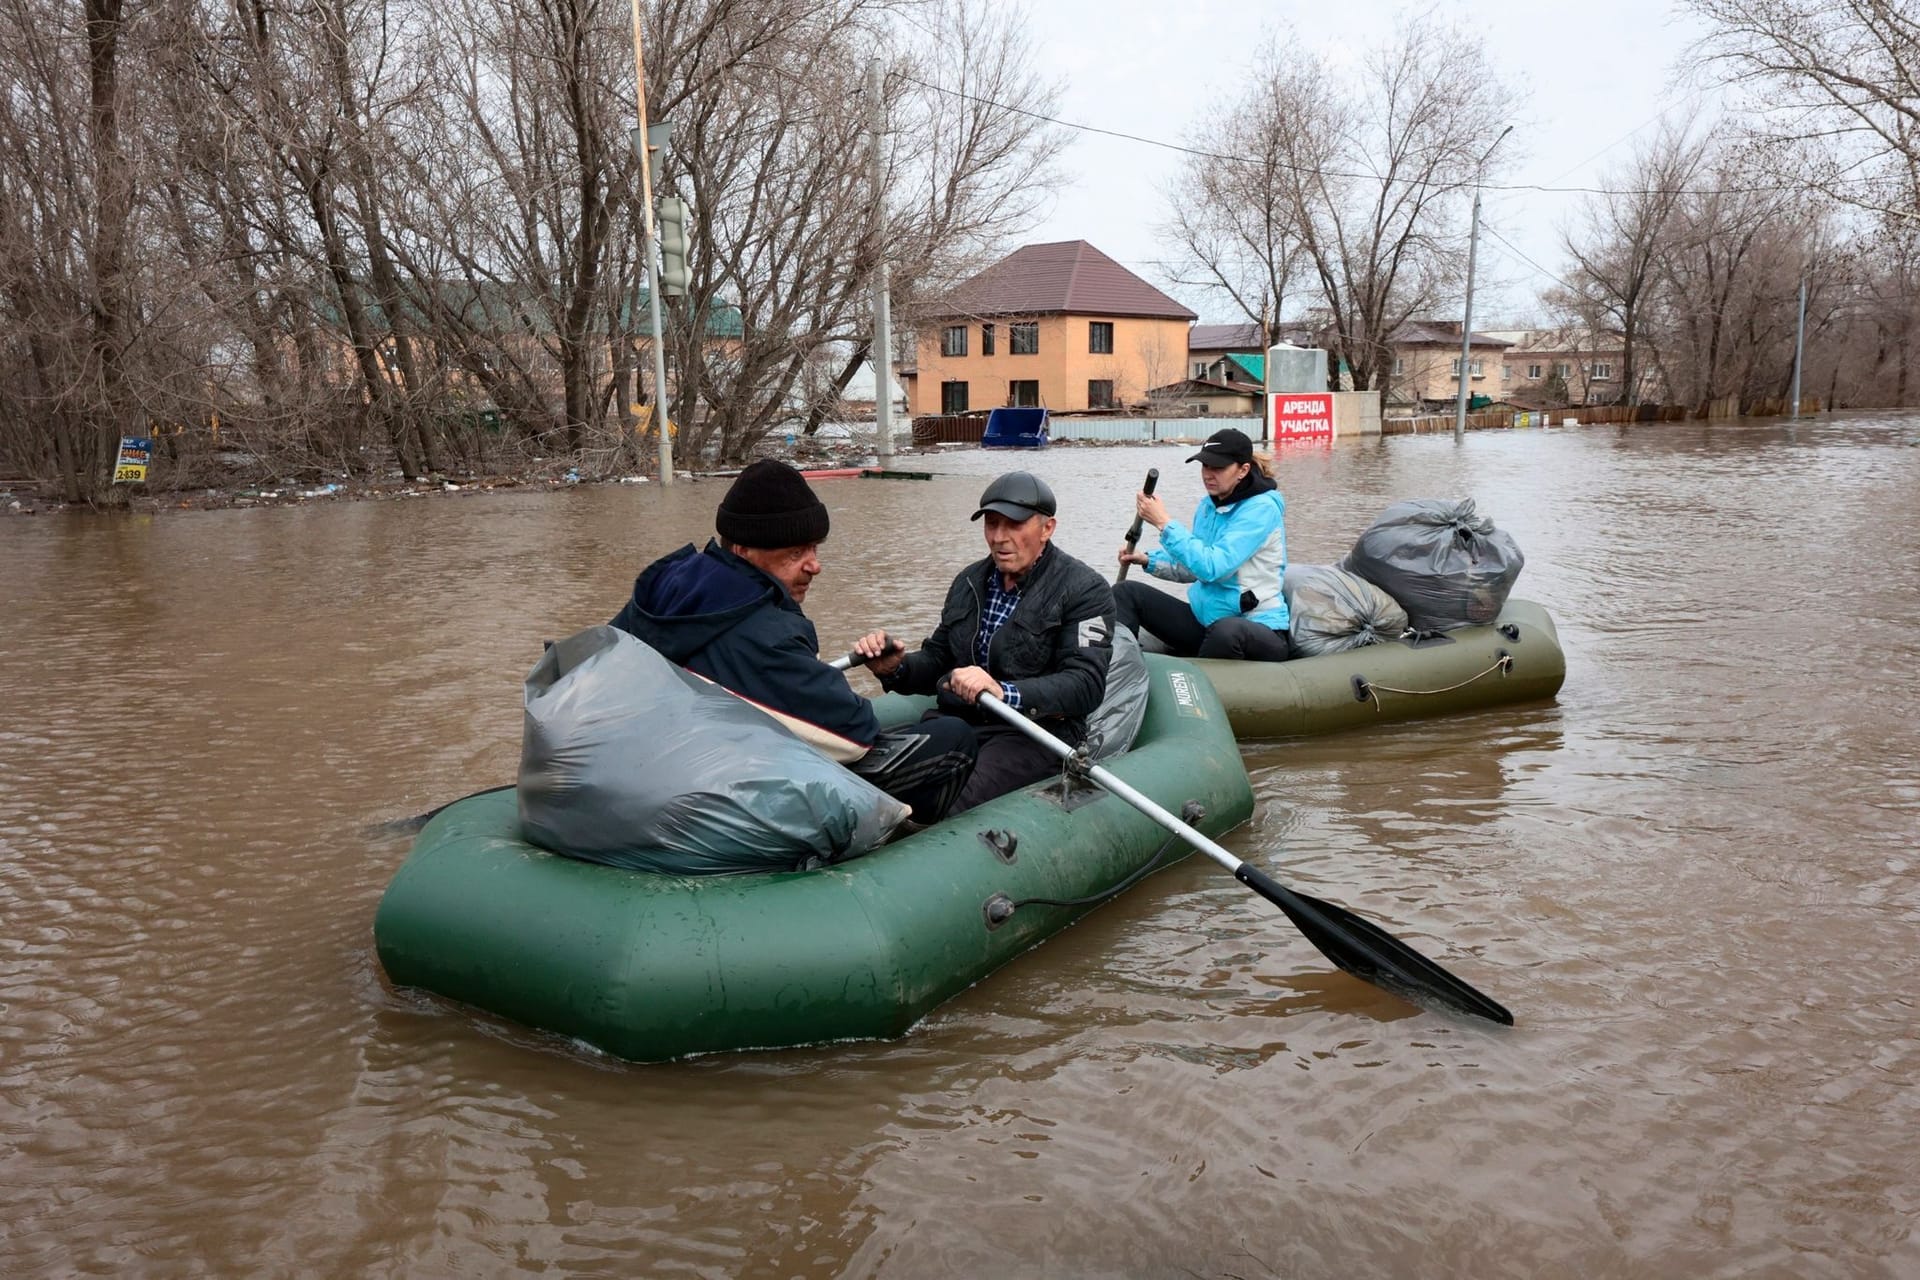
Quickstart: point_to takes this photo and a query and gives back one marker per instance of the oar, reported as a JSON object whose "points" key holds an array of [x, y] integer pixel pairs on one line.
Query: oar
{"points": [[1360, 947], [1133, 530]]}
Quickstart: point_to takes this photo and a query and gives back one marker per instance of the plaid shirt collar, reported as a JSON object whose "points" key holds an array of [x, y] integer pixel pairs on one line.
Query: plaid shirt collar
{"points": [[1000, 603]]}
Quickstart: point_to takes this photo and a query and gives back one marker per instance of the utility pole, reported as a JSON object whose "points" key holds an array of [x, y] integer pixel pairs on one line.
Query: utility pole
{"points": [[1466, 314], [882, 304], [1799, 344], [642, 145]]}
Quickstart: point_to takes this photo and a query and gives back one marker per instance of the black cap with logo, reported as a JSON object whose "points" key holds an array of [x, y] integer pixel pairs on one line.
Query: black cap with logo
{"points": [[1224, 448]]}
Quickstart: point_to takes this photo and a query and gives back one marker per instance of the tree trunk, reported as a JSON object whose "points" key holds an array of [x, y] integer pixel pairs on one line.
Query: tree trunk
{"points": [[818, 412], [113, 201]]}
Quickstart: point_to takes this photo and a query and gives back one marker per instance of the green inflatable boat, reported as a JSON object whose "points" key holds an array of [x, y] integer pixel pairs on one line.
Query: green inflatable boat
{"points": [[653, 967], [1516, 658]]}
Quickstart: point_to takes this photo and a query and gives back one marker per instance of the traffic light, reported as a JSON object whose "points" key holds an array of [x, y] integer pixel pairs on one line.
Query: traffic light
{"points": [[673, 247]]}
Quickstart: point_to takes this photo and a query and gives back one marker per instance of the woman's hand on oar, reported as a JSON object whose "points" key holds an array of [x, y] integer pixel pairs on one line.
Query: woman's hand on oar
{"points": [[1128, 557], [1360, 947]]}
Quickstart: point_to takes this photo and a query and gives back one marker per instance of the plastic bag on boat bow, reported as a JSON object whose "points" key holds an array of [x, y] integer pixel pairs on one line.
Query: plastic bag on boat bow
{"points": [[1444, 563], [630, 761], [1115, 722], [1334, 611]]}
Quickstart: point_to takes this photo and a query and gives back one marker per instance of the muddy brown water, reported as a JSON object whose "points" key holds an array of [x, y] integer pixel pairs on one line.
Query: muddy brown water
{"points": [[1693, 878]]}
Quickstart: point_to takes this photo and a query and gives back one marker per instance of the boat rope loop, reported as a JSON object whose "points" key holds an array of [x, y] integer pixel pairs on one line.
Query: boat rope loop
{"points": [[1364, 689], [1190, 813]]}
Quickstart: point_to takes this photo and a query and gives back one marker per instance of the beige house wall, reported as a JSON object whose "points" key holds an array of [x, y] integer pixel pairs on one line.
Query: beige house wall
{"points": [[1228, 404], [1591, 376], [1146, 353], [1425, 372]]}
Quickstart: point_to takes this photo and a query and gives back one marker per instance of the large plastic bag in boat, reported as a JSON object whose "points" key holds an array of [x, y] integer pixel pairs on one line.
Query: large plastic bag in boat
{"points": [[1333, 611], [1441, 560], [630, 761], [1115, 722]]}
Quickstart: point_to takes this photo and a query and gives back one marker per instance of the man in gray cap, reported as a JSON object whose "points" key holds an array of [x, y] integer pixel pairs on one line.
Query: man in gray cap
{"points": [[1029, 623]]}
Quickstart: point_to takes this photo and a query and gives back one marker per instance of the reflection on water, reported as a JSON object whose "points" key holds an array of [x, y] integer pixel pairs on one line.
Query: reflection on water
{"points": [[1692, 877]]}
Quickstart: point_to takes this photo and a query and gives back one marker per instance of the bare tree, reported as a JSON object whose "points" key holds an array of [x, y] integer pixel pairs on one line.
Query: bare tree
{"points": [[1234, 218], [1367, 168], [1619, 240], [1842, 73]]}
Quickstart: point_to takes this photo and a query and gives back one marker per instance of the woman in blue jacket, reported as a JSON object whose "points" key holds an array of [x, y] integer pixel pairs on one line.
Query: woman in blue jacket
{"points": [[1235, 555]]}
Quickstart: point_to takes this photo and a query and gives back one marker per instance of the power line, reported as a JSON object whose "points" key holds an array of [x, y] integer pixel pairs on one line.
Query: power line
{"points": [[1511, 248], [1539, 188]]}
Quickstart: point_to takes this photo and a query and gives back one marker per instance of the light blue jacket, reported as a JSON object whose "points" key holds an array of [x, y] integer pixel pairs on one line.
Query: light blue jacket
{"points": [[1241, 548]]}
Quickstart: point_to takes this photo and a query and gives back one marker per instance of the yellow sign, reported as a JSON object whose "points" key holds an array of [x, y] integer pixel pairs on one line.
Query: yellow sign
{"points": [[136, 452]]}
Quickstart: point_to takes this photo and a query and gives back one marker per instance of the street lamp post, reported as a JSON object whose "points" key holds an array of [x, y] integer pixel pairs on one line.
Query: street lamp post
{"points": [[642, 137], [882, 317], [1466, 315]]}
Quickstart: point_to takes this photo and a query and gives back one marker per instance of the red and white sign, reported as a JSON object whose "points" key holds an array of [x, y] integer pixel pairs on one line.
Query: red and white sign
{"points": [[1301, 416]]}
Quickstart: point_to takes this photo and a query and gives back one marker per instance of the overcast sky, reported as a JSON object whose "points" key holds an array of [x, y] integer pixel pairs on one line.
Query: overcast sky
{"points": [[1595, 80]]}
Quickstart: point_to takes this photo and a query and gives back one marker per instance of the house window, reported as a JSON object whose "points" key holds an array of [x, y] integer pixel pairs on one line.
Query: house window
{"points": [[1602, 371], [1199, 368], [1400, 366], [1023, 391], [1024, 339], [986, 339], [1533, 372], [1199, 410], [1100, 337], [1562, 370], [953, 340], [1478, 367], [953, 397], [1100, 393]]}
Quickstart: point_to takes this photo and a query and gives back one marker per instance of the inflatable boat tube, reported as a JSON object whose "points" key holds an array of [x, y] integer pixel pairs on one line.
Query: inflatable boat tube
{"points": [[1517, 658], [651, 967]]}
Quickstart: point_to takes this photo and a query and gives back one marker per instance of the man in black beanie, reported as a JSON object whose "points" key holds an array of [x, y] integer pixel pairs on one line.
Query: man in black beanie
{"points": [[731, 612]]}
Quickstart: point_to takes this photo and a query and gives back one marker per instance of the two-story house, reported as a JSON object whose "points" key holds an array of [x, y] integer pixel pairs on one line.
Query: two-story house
{"points": [[1574, 365], [1060, 325], [1426, 364]]}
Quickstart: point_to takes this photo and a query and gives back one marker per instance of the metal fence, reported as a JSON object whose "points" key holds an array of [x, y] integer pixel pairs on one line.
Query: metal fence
{"points": [[1147, 430]]}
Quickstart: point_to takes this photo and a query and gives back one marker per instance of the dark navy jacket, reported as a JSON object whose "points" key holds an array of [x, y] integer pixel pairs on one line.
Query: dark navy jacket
{"points": [[720, 617]]}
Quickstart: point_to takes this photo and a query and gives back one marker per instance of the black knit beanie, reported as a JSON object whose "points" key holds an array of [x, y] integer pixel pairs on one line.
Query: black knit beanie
{"points": [[769, 506]]}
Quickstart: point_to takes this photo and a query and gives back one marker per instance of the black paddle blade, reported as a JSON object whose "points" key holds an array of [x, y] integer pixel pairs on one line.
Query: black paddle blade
{"points": [[1371, 954]]}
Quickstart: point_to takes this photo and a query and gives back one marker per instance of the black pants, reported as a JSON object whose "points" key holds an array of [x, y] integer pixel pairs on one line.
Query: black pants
{"points": [[1138, 605], [922, 765], [1008, 760]]}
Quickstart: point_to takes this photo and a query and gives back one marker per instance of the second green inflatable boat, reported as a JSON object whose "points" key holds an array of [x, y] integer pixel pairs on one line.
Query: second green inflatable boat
{"points": [[652, 967], [1515, 658]]}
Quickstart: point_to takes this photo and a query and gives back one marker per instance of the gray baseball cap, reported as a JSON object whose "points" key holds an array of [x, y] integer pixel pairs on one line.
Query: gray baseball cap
{"points": [[1017, 495]]}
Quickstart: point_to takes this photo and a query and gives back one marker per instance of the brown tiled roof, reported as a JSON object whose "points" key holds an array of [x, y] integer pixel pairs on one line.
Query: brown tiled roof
{"points": [[1442, 332], [1070, 276], [1245, 338]]}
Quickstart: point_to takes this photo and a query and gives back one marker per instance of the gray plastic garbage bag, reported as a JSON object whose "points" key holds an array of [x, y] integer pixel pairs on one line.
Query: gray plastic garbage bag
{"points": [[1334, 611], [1114, 723], [630, 761], [1442, 561]]}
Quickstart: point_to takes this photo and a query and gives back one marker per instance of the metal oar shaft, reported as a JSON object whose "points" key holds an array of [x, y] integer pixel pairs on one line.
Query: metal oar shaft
{"points": [[1106, 778]]}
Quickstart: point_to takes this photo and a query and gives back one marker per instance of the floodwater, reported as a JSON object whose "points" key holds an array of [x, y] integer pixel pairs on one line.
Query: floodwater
{"points": [[1693, 878]]}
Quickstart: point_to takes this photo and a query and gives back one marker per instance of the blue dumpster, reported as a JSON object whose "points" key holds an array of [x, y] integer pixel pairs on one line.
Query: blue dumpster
{"points": [[1015, 429]]}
